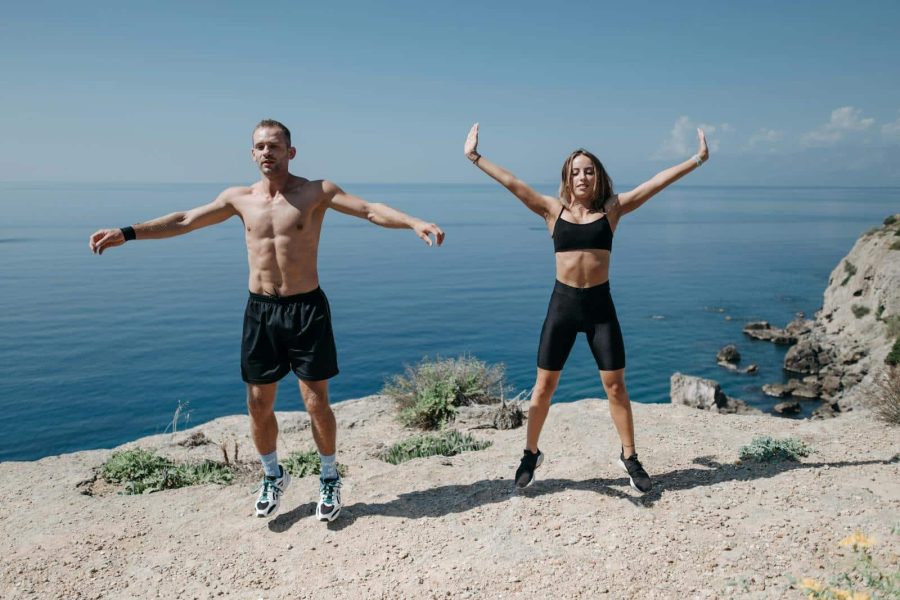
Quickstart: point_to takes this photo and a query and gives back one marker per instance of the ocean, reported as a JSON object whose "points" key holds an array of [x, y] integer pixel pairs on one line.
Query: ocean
{"points": [[99, 350]]}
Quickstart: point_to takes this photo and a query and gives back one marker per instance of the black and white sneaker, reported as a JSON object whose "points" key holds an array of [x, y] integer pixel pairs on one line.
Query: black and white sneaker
{"points": [[270, 491], [525, 472], [329, 506], [637, 476]]}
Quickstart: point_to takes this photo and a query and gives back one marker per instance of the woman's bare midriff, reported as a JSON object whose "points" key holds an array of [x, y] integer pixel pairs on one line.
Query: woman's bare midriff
{"points": [[583, 268]]}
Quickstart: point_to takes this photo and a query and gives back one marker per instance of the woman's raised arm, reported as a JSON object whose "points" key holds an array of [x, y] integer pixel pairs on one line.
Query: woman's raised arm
{"points": [[538, 203], [629, 201]]}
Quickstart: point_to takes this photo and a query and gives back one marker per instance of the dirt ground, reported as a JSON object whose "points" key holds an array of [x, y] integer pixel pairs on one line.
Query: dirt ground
{"points": [[456, 528]]}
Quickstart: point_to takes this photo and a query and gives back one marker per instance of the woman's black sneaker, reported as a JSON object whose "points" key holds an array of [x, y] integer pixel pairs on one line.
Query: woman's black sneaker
{"points": [[638, 477], [525, 472]]}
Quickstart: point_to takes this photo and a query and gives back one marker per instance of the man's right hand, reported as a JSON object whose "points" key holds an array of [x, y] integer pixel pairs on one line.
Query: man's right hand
{"points": [[106, 238]]}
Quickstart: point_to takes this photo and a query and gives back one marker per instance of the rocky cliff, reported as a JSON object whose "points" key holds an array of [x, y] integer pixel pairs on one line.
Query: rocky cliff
{"points": [[845, 347]]}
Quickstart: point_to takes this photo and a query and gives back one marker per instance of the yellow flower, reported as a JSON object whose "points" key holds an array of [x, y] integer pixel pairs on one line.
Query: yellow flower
{"points": [[811, 584], [857, 540], [841, 594]]}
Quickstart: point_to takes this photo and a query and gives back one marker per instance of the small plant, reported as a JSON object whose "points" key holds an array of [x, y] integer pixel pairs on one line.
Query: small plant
{"points": [[182, 413], [872, 231], [893, 357], [301, 464], [863, 574], [850, 270], [446, 443], [860, 311], [879, 312], [890, 220], [767, 449], [429, 393], [893, 326], [143, 471], [895, 245], [886, 397]]}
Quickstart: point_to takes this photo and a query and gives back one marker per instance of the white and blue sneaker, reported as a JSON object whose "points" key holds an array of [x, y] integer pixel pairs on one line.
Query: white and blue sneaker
{"points": [[270, 491], [329, 506]]}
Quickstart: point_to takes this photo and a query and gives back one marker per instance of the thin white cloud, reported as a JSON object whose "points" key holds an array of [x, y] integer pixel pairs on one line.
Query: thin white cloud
{"points": [[765, 136], [845, 121], [682, 140], [891, 130]]}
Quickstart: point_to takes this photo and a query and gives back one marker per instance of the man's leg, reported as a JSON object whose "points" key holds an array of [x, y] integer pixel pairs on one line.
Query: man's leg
{"points": [[264, 430], [324, 426], [324, 429], [261, 406]]}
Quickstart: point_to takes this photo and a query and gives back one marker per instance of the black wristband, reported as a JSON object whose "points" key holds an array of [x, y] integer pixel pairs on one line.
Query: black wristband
{"points": [[128, 232]]}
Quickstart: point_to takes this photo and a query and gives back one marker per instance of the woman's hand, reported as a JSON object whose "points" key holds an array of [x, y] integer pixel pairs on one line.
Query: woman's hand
{"points": [[703, 152], [471, 147]]}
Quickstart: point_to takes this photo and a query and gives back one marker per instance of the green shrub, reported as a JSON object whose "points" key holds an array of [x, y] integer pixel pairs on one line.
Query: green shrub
{"points": [[767, 449], [893, 357], [301, 464], [887, 396], [893, 326], [143, 471], [446, 443], [890, 220], [879, 312], [859, 311], [850, 269], [428, 394], [872, 231], [895, 245]]}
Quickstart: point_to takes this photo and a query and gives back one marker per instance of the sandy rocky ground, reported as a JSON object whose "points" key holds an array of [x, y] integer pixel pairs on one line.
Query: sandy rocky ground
{"points": [[455, 528]]}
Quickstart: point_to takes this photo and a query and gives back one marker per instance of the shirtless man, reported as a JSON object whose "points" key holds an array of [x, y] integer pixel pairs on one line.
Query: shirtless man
{"points": [[287, 323]]}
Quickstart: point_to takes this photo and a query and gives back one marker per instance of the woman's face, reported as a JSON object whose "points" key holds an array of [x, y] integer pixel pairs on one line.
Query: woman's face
{"points": [[584, 178]]}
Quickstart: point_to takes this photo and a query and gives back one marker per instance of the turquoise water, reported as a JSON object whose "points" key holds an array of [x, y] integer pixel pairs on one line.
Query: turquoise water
{"points": [[95, 351]]}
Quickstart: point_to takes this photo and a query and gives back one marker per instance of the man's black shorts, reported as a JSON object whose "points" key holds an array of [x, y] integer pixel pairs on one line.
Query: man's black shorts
{"points": [[290, 333]]}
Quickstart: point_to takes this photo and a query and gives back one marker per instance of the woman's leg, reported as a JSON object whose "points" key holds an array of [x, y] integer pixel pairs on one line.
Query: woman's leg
{"points": [[620, 408], [544, 386]]}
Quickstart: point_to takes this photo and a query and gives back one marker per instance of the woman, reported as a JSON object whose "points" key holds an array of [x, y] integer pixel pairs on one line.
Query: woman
{"points": [[581, 222]]}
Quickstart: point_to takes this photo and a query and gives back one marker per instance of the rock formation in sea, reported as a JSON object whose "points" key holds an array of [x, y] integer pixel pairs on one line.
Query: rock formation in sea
{"points": [[842, 351]]}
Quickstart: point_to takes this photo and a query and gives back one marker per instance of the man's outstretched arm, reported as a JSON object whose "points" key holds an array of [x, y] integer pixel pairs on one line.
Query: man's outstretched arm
{"points": [[380, 214], [177, 223]]}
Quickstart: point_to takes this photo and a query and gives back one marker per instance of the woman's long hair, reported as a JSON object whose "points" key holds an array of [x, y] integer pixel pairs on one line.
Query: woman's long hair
{"points": [[603, 185]]}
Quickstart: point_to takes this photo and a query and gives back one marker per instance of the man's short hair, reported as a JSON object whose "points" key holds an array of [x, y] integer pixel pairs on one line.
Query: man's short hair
{"points": [[276, 124]]}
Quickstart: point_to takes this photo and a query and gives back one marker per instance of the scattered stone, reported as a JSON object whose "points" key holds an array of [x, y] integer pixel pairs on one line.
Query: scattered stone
{"points": [[195, 439], [509, 416], [729, 354], [776, 390], [762, 330], [787, 408], [828, 410], [705, 394]]}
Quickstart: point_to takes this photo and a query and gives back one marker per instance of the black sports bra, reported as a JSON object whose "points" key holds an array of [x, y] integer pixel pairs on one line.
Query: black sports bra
{"points": [[596, 235]]}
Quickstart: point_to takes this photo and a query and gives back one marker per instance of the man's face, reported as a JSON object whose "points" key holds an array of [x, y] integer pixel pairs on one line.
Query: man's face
{"points": [[270, 150]]}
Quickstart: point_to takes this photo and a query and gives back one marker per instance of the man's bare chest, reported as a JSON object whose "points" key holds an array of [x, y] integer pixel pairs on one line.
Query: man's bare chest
{"points": [[280, 216]]}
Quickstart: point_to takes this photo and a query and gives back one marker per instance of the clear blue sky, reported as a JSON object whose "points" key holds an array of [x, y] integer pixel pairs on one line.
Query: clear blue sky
{"points": [[799, 93]]}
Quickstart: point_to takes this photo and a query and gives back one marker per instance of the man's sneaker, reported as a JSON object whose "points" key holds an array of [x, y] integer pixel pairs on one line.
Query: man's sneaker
{"points": [[270, 491], [329, 506], [525, 472], [636, 473]]}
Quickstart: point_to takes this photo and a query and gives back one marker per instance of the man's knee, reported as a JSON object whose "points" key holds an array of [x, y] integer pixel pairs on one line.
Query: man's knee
{"points": [[260, 400], [316, 402]]}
